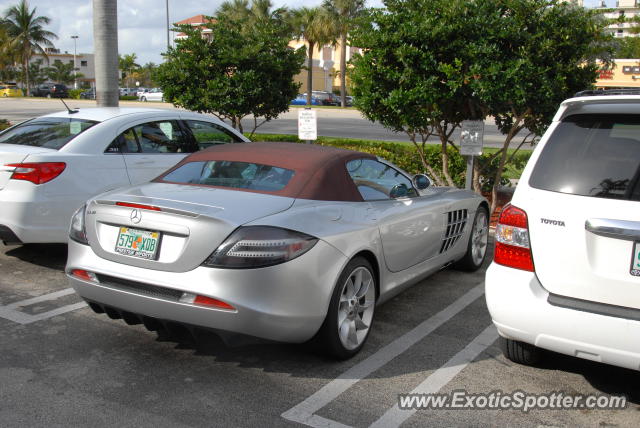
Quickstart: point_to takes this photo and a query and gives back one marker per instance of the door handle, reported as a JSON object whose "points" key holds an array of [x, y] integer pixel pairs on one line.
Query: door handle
{"points": [[618, 229], [143, 162]]}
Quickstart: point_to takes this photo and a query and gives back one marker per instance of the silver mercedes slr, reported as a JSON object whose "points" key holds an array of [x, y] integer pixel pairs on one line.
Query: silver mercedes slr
{"points": [[281, 241]]}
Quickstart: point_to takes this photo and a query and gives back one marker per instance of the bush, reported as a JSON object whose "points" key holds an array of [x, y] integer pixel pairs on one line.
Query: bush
{"points": [[4, 124], [406, 156], [128, 98], [75, 93]]}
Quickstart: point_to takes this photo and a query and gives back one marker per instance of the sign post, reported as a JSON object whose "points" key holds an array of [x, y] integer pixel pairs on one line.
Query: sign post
{"points": [[471, 142], [307, 125]]}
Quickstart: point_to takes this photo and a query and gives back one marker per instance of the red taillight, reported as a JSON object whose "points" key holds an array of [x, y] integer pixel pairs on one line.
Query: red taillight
{"points": [[208, 301], [84, 275], [140, 206], [37, 172], [512, 240]]}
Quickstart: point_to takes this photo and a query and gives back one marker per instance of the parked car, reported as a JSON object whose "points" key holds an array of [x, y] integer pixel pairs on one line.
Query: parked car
{"points": [[50, 90], [9, 90], [141, 91], [50, 165], [301, 100], [349, 100], [326, 98], [154, 94], [88, 94], [127, 92], [566, 270], [280, 241]]}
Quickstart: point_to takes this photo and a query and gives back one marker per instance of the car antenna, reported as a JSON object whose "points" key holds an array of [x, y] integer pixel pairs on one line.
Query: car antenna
{"points": [[68, 109]]}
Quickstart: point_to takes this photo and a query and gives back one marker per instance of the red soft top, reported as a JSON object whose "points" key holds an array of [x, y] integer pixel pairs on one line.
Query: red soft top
{"points": [[320, 171]]}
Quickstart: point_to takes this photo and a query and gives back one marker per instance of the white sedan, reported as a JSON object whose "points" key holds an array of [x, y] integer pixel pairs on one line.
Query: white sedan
{"points": [[154, 94], [51, 164]]}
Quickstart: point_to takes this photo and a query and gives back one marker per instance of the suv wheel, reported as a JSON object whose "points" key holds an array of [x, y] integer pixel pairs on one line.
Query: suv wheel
{"points": [[520, 352]]}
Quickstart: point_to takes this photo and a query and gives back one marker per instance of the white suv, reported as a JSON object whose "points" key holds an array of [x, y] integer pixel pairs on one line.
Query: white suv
{"points": [[566, 269]]}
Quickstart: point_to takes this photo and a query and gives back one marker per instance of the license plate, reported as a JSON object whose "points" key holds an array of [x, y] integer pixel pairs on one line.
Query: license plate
{"points": [[635, 261], [138, 243]]}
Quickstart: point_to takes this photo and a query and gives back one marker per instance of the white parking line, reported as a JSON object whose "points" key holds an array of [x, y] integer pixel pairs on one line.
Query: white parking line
{"points": [[11, 312], [438, 379], [304, 411]]}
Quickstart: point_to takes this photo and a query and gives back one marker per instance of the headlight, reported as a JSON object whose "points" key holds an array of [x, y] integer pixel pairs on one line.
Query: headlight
{"points": [[78, 231], [260, 246]]}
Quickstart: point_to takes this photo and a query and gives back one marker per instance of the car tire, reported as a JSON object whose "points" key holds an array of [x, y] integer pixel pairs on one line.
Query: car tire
{"points": [[346, 327], [520, 352], [478, 242], [143, 99]]}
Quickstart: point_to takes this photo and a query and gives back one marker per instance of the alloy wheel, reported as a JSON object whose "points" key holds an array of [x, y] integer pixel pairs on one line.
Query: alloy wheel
{"points": [[479, 237], [356, 306]]}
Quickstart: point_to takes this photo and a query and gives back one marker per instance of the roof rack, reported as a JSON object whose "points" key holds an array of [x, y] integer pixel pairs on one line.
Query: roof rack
{"points": [[599, 92]]}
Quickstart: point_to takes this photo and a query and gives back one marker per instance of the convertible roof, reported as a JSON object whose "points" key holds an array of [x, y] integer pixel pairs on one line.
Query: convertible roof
{"points": [[320, 172]]}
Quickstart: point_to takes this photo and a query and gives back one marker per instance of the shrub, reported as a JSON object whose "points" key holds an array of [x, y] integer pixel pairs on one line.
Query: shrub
{"points": [[4, 124], [128, 98], [75, 93]]}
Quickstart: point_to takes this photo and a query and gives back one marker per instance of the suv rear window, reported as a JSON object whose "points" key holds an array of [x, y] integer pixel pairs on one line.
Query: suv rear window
{"points": [[239, 175], [48, 132], [592, 155]]}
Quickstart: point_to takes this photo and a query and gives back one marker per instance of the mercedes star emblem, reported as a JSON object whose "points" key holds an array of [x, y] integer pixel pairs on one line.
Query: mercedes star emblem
{"points": [[136, 216]]}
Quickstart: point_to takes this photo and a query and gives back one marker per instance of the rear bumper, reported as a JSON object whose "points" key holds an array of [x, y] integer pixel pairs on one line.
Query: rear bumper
{"points": [[7, 236], [285, 303], [520, 310]]}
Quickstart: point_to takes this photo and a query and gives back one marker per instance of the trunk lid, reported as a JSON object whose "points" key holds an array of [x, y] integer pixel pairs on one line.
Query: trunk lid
{"points": [[191, 223], [13, 153]]}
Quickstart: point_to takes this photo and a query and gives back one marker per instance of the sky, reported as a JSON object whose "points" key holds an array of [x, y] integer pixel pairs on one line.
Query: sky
{"points": [[141, 23]]}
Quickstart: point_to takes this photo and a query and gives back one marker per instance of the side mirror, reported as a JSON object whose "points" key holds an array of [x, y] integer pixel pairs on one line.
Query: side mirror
{"points": [[421, 181], [399, 191]]}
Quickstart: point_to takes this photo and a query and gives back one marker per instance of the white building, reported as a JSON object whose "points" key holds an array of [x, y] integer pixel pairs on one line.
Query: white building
{"points": [[624, 10], [85, 64]]}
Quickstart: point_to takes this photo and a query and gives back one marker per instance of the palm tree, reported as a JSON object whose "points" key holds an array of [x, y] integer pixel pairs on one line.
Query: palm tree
{"points": [[28, 33], [105, 42], [8, 55], [316, 27], [256, 12], [234, 9], [127, 64], [60, 72], [344, 12]]}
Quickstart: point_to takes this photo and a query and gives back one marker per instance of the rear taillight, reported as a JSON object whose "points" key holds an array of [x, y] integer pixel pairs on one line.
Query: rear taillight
{"points": [[512, 240], [77, 230], [37, 172], [197, 299]]}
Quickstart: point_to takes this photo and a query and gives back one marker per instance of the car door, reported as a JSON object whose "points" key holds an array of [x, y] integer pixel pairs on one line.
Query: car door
{"points": [[207, 134], [152, 147], [582, 201], [411, 225]]}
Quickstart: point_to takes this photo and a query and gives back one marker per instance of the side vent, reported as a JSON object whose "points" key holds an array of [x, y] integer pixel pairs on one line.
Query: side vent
{"points": [[456, 220]]}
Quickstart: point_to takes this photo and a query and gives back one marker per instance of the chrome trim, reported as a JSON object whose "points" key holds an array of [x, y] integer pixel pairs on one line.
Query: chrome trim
{"points": [[617, 229], [8, 168]]}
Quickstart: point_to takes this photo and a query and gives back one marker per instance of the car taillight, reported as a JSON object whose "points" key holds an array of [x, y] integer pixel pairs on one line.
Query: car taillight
{"points": [[37, 172], [260, 246], [78, 230], [512, 240]]}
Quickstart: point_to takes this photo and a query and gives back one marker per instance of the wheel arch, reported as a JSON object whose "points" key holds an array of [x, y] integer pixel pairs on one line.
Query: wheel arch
{"points": [[369, 256]]}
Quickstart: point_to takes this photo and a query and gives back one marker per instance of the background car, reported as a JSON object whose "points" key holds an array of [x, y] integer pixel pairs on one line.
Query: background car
{"points": [[10, 91], [566, 270], [154, 94], [124, 92], [301, 100], [280, 241], [349, 100], [89, 94], [51, 164], [140, 91], [326, 98], [50, 90]]}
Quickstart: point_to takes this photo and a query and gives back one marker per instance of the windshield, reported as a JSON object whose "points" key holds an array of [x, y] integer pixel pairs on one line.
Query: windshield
{"points": [[239, 175], [47, 132], [592, 155]]}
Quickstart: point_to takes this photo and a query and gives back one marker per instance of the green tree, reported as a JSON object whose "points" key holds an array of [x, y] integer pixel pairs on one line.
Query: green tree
{"points": [[235, 74], [8, 55], [28, 34], [344, 13], [628, 47], [128, 65], [318, 29], [60, 72], [37, 73], [427, 65]]}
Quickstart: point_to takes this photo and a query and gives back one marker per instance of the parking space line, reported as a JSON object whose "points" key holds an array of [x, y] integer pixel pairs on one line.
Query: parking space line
{"points": [[439, 378], [304, 411], [51, 296], [11, 312]]}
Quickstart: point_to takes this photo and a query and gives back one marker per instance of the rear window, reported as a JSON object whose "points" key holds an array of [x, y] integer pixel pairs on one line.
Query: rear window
{"points": [[592, 155], [48, 132], [239, 175]]}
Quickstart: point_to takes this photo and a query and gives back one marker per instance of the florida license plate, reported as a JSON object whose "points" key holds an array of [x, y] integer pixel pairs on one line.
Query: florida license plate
{"points": [[635, 261], [138, 243]]}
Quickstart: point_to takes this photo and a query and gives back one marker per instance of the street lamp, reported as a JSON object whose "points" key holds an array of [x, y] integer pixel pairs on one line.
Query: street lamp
{"points": [[168, 40], [75, 72]]}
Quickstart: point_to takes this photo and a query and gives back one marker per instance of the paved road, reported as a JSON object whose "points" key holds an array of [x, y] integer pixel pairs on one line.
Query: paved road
{"points": [[331, 122], [63, 365]]}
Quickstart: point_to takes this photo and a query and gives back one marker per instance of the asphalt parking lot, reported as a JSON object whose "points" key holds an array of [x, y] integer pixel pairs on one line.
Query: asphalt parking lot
{"points": [[63, 365]]}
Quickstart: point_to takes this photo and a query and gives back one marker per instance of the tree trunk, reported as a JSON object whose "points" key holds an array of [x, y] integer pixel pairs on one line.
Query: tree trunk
{"points": [[105, 36], [503, 158], [445, 162], [310, 74], [343, 69], [26, 76]]}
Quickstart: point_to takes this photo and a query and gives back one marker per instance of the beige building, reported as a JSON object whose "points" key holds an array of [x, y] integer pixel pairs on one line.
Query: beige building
{"points": [[84, 64]]}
